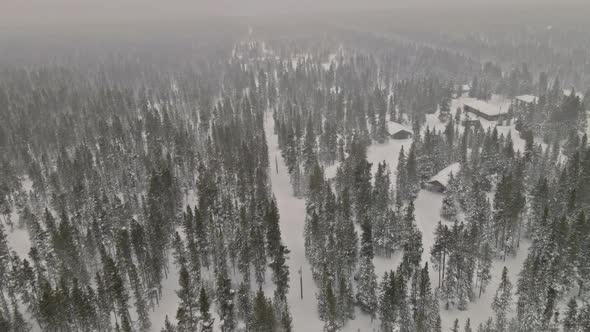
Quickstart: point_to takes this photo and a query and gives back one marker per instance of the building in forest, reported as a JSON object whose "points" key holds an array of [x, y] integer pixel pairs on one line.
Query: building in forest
{"points": [[525, 100], [440, 181], [486, 110], [398, 131], [402, 134]]}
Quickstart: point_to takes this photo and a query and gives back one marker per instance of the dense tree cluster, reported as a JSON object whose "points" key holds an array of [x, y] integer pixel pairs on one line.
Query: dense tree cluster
{"points": [[111, 167]]}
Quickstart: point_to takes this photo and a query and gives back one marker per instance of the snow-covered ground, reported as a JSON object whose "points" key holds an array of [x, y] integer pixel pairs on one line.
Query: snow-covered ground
{"points": [[428, 205], [18, 238], [292, 218], [292, 214]]}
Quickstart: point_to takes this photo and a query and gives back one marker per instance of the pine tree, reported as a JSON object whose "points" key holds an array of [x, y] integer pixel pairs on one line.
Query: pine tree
{"points": [[330, 324], [412, 244], [126, 325], [280, 272], [116, 287], [367, 280], [224, 295], [187, 307], [345, 296], [273, 231], [426, 312], [484, 267], [168, 327], [388, 303], [438, 252], [412, 173], [263, 319], [258, 253], [402, 185], [570, 322], [244, 302], [179, 253], [502, 301], [448, 210], [286, 319], [140, 303], [206, 321]]}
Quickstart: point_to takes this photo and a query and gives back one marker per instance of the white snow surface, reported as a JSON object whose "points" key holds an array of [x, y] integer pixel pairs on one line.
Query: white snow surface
{"points": [[568, 92], [292, 215], [526, 98], [428, 205]]}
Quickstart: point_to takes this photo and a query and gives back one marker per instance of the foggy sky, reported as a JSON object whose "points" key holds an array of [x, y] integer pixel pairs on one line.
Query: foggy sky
{"points": [[43, 12]]}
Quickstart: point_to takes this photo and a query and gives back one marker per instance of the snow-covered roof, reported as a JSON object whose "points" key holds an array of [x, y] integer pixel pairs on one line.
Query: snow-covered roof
{"points": [[465, 87], [394, 127], [443, 176], [568, 92], [486, 108], [527, 98]]}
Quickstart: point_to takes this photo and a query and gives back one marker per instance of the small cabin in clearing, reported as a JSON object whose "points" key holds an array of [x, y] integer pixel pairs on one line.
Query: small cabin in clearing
{"points": [[401, 134], [440, 181], [398, 131]]}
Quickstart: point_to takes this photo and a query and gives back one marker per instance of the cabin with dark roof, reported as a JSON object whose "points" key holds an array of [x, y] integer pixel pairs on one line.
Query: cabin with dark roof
{"points": [[435, 186], [440, 181], [401, 134]]}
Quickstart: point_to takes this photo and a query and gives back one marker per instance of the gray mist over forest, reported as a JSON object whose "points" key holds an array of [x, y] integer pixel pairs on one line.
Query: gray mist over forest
{"points": [[38, 12], [295, 165]]}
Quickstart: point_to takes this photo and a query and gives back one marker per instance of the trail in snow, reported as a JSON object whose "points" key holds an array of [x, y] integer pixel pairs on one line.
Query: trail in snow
{"points": [[292, 218], [292, 214], [427, 205]]}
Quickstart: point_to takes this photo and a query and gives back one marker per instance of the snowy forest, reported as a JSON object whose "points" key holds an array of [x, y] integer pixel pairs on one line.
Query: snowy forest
{"points": [[335, 173]]}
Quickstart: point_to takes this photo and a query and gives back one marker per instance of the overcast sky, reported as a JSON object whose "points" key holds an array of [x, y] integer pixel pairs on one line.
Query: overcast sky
{"points": [[26, 12]]}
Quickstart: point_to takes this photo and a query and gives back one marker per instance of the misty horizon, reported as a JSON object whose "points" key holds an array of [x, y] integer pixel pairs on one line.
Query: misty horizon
{"points": [[65, 12]]}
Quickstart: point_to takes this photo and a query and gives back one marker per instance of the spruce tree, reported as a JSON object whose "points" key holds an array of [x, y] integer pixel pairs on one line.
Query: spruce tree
{"points": [[205, 319], [188, 306], [468, 325], [263, 319], [502, 301]]}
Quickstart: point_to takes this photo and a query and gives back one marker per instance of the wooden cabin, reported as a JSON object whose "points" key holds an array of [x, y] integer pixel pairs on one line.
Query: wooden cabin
{"points": [[402, 134]]}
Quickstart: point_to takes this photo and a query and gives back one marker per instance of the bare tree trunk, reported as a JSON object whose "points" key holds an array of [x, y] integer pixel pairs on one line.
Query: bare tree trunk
{"points": [[443, 266]]}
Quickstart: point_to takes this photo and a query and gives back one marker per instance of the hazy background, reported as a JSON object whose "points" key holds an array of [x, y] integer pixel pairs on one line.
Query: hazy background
{"points": [[19, 13], [38, 31]]}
